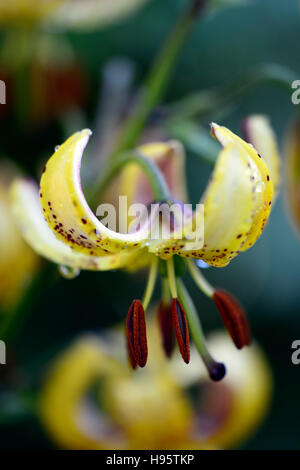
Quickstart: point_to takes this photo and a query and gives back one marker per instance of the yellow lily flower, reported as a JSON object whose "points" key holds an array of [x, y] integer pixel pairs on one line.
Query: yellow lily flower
{"points": [[237, 203], [65, 13], [18, 261], [151, 409]]}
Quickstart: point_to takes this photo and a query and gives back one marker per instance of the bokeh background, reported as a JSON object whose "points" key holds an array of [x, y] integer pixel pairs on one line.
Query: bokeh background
{"points": [[265, 278]]}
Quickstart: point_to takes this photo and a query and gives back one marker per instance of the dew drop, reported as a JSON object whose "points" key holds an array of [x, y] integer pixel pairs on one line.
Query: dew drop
{"points": [[259, 187], [201, 264], [68, 272], [56, 148]]}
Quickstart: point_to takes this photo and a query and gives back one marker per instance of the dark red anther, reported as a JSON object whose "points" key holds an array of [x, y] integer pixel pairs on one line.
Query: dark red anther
{"points": [[234, 318], [181, 329], [166, 327], [136, 334], [131, 357]]}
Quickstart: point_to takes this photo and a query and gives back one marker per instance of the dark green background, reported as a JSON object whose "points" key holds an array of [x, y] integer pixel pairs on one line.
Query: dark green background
{"points": [[266, 278]]}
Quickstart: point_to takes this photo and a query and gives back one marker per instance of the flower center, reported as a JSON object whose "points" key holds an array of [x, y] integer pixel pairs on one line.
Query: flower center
{"points": [[178, 318]]}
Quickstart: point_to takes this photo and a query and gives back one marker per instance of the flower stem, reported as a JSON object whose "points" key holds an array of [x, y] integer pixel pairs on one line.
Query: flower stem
{"points": [[171, 277], [199, 279], [194, 322], [165, 293], [158, 78], [151, 282], [155, 176]]}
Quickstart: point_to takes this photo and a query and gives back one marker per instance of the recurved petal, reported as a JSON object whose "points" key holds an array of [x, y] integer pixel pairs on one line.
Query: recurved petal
{"points": [[29, 217], [260, 134], [263, 189], [229, 208], [67, 211]]}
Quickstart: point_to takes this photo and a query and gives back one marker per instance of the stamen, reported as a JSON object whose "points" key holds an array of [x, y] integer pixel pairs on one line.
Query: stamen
{"points": [[136, 333], [150, 282], [199, 279], [181, 329], [166, 327], [234, 318], [216, 370], [131, 357]]}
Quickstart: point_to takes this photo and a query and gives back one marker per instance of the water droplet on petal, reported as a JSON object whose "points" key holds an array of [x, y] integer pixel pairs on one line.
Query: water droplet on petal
{"points": [[201, 264], [56, 148], [68, 272]]}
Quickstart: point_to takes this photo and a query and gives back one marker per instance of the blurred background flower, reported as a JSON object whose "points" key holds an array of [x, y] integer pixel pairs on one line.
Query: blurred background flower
{"points": [[67, 13], [91, 400], [18, 262]]}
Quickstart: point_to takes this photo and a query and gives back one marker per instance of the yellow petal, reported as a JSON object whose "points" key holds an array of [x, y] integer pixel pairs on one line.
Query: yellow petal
{"points": [[71, 420], [228, 208], [237, 204], [261, 135], [249, 380], [27, 11], [144, 409], [263, 192], [18, 262], [67, 211], [247, 387], [29, 217]]}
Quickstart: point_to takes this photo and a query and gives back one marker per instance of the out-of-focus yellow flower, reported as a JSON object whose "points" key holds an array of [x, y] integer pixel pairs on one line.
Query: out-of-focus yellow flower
{"points": [[18, 261], [64, 13], [237, 204], [26, 11], [261, 135], [160, 407], [292, 173]]}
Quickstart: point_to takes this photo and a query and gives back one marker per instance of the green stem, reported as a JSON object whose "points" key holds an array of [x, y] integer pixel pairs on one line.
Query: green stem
{"points": [[196, 139], [150, 283], [193, 321], [157, 79], [155, 176], [171, 277], [199, 279]]}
